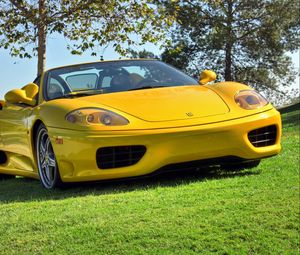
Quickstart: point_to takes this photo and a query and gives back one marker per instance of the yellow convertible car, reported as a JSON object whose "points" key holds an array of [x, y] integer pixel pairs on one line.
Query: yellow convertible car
{"points": [[126, 118]]}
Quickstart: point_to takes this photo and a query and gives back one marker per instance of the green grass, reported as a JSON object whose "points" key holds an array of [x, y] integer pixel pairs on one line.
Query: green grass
{"points": [[249, 212]]}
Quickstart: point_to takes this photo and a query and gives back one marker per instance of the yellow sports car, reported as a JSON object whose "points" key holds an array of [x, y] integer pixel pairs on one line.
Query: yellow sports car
{"points": [[118, 119]]}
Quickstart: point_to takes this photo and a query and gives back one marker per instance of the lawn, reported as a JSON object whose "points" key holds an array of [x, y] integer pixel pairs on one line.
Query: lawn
{"points": [[250, 212]]}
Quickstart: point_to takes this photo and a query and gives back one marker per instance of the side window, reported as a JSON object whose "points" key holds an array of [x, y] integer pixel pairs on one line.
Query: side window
{"points": [[106, 82], [37, 81], [54, 89]]}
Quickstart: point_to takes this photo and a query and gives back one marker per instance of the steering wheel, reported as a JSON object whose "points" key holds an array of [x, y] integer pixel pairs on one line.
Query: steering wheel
{"points": [[146, 82]]}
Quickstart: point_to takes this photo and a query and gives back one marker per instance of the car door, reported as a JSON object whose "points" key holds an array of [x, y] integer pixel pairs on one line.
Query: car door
{"points": [[1, 116], [14, 138]]}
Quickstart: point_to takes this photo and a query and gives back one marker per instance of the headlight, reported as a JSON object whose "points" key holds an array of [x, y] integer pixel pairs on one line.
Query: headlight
{"points": [[250, 99], [96, 116]]}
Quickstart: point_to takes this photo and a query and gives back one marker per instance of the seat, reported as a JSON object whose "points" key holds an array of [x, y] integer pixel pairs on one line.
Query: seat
{"points": [[120, 82], [135, 78], [54, 91]]}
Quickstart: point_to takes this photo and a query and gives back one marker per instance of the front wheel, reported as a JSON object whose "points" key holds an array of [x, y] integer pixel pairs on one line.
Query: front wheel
{"points": [[6, 177], [46, 161]]}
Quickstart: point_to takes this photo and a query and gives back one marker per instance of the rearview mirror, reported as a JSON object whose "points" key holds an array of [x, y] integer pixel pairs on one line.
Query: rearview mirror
{"points": [[25, 95], [207, 76]]}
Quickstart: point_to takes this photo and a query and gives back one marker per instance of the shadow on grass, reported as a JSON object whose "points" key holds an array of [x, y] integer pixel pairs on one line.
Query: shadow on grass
{"points": [[23, 189]]}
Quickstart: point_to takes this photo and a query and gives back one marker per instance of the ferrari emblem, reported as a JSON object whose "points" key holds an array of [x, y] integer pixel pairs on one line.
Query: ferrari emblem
{"points": [[190, 114]]}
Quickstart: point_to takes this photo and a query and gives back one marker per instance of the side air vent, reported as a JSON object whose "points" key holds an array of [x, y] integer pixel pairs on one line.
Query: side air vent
{"points": [[3, 157], [119, 156], [262, 137]]}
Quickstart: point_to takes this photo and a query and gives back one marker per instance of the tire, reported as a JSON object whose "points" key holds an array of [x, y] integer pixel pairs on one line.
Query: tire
{"points": [[46, 161], [6, 177], [241, 166]]}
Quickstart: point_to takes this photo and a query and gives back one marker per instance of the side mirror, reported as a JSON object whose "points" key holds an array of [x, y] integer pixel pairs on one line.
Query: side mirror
{"points": [[207, 76], [25, 95]]}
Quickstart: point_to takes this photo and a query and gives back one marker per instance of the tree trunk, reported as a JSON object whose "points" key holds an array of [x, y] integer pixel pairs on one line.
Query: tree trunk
{"points": [[41, 38], [228, 62], [229, 43]]}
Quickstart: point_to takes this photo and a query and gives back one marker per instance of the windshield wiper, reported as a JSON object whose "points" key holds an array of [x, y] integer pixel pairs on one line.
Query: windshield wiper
{"points": [[82, 93], [147, 87]]}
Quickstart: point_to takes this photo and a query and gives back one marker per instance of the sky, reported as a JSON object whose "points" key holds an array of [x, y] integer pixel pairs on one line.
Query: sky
{"points": [[15, 72]]}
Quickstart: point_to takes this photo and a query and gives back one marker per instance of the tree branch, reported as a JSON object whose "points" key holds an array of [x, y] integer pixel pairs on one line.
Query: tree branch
{"points": [[29, 14], [62, 14]]}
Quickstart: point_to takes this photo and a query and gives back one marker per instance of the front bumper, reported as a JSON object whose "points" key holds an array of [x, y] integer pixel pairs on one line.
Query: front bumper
{"points": [[76, 150]]}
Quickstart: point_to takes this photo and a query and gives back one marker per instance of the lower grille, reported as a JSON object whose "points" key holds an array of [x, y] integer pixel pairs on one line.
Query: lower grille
{"points": [[262, 137], [119, 156]]}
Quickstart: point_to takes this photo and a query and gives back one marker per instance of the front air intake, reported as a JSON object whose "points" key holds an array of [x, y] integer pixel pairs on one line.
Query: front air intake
{"points": [[262, 137], [119, 156], [3, 158]]}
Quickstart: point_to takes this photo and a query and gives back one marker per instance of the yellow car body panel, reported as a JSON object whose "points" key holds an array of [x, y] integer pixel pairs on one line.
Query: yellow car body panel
{"points": [[175, 124], [164, 146]]}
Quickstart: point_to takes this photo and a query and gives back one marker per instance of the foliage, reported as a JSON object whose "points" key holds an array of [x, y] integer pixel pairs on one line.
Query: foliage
{"points": [[141, 54], [86, 24], [242, 40]]}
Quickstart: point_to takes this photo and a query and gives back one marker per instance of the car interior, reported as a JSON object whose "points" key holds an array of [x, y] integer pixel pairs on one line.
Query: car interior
{"points": [[108, 80]]}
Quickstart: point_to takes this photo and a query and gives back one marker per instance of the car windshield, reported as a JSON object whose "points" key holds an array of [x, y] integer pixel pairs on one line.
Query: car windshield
{"points": [[111, 77]]}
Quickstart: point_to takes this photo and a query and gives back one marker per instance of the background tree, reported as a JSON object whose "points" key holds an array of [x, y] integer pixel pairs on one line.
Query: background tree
{"points": [[26, 24], [243, 40], [141, 54]]}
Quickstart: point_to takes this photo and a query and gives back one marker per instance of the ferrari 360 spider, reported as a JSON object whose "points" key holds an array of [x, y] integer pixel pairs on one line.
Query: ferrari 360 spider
{"points": [[127, 118]]}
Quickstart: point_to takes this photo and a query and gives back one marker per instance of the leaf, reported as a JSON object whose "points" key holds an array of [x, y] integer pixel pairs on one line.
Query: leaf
{"points": [[87, 24]]}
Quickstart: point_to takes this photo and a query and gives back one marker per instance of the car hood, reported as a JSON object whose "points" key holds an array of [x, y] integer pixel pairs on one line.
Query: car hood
{"points": [[164, 104]]}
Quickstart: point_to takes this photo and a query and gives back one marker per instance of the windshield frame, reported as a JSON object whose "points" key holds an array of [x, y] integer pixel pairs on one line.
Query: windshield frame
{"points": [[49, 71]]}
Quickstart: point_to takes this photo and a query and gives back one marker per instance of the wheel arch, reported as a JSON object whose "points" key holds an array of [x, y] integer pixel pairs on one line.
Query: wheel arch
{"points": [[57, 182], [34, 130]]}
